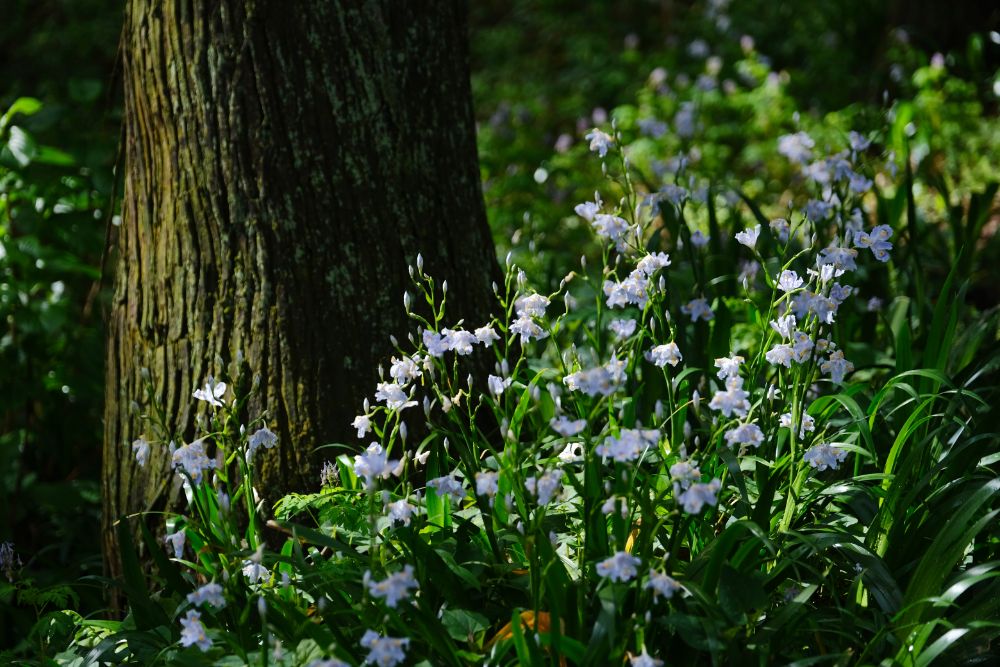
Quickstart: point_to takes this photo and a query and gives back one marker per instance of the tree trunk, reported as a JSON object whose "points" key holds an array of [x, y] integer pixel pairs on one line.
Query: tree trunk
{"points": [[285, 162]]}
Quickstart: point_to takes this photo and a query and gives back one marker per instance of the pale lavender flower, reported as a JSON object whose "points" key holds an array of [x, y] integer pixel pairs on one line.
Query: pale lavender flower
{"points": [[728, 366], [620, 567], [733, 400], [394, 588], [141, 450], [662, 584], [264, 437], [176, 540], [698, 309], [486, 335], [653, 262], [837, 366], [527, 328], [487, 484], [789, 280], [375, 464], [780, 228], [824, 456], [497, 385], [600, 141], [644, 660], [696, 496], [208, 594], [212, 393], [566, 427], [668, 353], [745, 434], [393, 395], [796, 147], [622, 329], [384, 651], [363, 424], [400, 511], [546, 487], [531, 305], [447, 486], [255, 572], [748, 237], [699, 239], [404, 370], [632, 290], [193, 632], [193, 460]]}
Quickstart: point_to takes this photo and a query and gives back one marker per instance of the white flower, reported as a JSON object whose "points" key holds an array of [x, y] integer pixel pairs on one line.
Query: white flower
{"points": [[193, 460], [841, 259], [645, 660], [400, 511], [877, 241], [789, 280], [212, 393], [567, 428], [498, 384], [698, 495], [435, 343], [652, 263], [363, 423], [807, 426], [572, 453], [780, 228], [785, 326], [374, 464], [620, 567], [487, 484], [622, 328], [459, 341], [592, 382], [255, 572], [532, 305], [615, 504], [611, 227], [796, 147], [264, 437], [748, 237], [599, 141], [684, 474], [404, 371], [587, 210], [728, 366], [698, 309], [486, 335], [668, 353], [447, 486], [527, 329], [384, 651], [176, 540], [633, 289], [745, 434], [662, 584], [837, 366], [546, 487], [629, 445], [780, 355], [824, 456], [733, 400], [393, 395], [208, 594], [393, 588], [141, 450], [193, 632]]}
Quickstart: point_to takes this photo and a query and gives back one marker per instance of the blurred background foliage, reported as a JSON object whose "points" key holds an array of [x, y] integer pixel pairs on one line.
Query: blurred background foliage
{"points": [[544, 73]]}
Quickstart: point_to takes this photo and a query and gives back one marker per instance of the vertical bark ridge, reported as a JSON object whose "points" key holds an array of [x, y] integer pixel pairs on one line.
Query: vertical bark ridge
{"points": [[282, 169]]}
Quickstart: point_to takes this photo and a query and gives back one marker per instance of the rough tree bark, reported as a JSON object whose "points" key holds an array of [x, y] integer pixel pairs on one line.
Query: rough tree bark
{"points": [[284, 163]]}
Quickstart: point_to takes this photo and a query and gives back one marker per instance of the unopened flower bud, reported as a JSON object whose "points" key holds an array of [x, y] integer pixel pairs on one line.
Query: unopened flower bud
{"points": [[420, 263], [444, 287]]}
